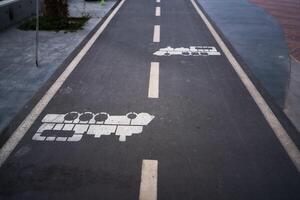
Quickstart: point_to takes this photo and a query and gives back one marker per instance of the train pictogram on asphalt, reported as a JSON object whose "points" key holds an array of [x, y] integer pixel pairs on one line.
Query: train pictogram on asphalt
{"points": [[191, 51], [97, 124]]}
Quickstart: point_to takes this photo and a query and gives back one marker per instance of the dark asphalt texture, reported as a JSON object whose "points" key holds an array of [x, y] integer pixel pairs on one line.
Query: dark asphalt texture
{"points": [[209, 137]]}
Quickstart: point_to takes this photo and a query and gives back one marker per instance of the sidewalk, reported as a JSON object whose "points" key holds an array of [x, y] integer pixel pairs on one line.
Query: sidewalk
{"points": [[19, 78], [260, 41], [288, 15]]}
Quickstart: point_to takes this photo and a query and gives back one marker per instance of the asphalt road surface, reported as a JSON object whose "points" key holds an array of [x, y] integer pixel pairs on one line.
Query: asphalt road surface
{"points": [[177, 124]]}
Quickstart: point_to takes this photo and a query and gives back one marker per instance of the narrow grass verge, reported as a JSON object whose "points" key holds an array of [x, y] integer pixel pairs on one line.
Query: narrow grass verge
{"points": [[69, 24]]}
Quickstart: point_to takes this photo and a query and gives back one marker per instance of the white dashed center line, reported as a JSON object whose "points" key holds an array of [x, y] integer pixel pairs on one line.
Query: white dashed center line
{"points": [[157, 12], [157, 1], [153, 91], [156, 34], [148, 187]]}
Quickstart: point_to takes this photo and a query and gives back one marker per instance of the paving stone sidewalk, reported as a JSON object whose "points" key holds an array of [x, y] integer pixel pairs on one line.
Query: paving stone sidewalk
{"points": [[19, 78]]}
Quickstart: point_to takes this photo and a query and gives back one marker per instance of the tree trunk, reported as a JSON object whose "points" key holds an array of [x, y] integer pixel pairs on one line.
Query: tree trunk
{"points": [[56, 8]]}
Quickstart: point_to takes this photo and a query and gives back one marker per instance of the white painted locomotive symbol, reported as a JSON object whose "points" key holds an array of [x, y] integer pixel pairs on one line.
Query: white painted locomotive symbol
{"points": [[192, 51], [92, 124]]}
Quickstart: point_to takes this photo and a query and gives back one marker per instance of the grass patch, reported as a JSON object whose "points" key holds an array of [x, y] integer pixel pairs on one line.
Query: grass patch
{"points": [[69, 24]]}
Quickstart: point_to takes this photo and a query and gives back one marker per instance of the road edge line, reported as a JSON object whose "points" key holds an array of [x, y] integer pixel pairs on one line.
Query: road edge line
{"points": [[281, 134], [25, 125]]}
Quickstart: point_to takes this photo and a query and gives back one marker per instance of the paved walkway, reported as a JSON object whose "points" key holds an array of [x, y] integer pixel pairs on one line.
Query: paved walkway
{"points": [[151, 108], [288, 15]]}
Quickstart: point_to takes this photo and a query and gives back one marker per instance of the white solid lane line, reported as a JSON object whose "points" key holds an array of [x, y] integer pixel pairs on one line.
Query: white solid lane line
{"points": [[18, 134], [156, 33], [148, 187], [153, 91], [281, 134], [157, 11]]}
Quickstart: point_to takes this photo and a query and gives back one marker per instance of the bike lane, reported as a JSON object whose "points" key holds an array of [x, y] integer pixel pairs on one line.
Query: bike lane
{"points": [[204, 129]]}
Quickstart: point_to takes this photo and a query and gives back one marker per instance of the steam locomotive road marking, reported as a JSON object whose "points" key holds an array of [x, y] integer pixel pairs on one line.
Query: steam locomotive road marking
{"points": [[192, 51], [153, 91], [156, 33], [148, 187], [157, 11], [91, 124]]}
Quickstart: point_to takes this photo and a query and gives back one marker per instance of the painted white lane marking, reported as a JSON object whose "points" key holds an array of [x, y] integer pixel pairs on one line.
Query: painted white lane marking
{"points": [[153, 91], [18, 134], [157, 1], [157, 11], [285, 140], [192, 51], [148, 187], [91, 124], [156, 33]]}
